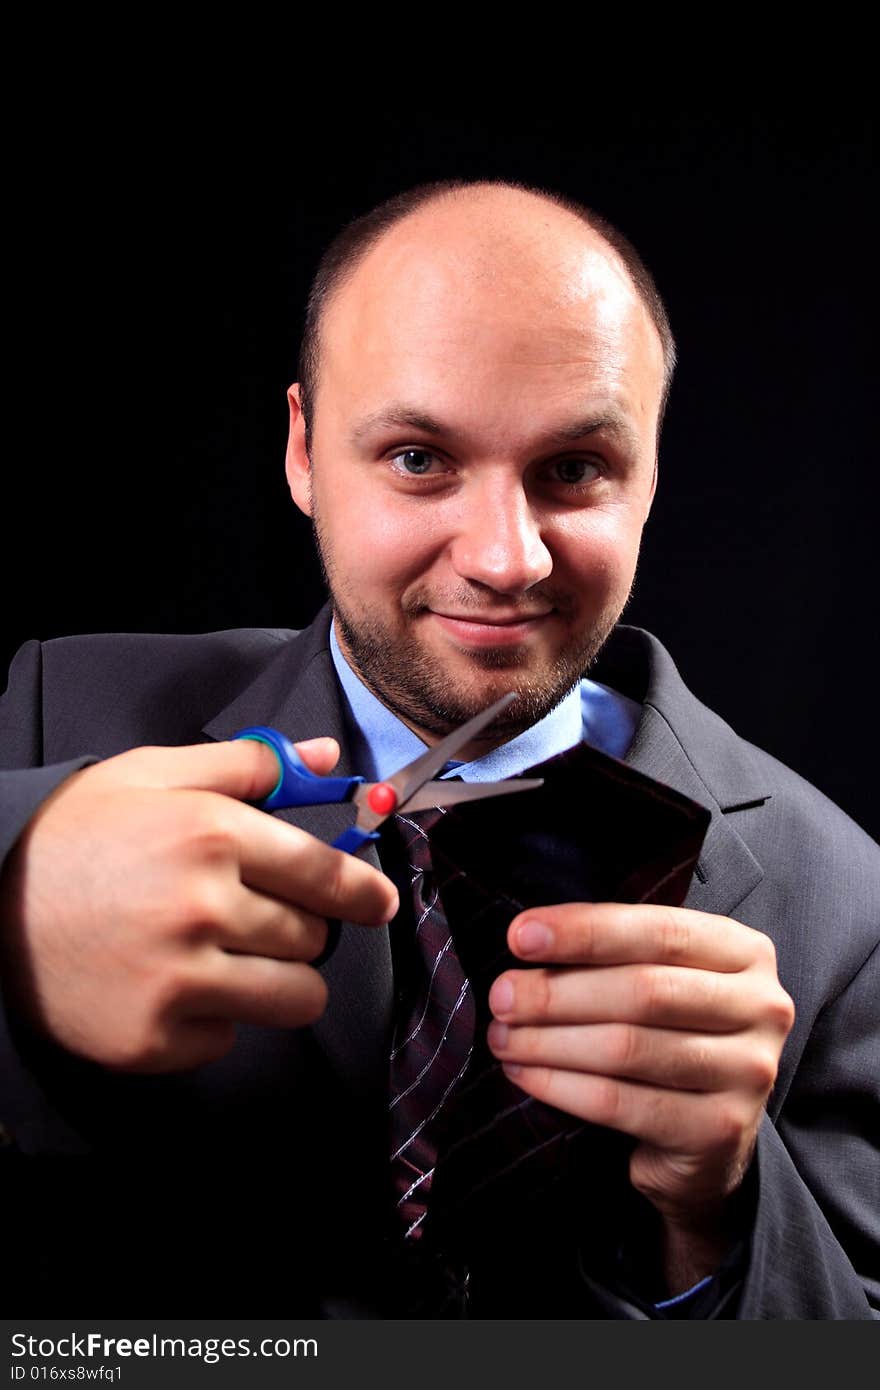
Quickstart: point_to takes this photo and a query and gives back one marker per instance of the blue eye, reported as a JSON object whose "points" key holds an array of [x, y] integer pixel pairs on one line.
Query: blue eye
{"points": [[574, 471], [415, 461]]}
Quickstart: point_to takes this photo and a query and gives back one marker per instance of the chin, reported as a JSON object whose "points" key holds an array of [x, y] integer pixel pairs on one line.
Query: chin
{"points": [[499, 659]]}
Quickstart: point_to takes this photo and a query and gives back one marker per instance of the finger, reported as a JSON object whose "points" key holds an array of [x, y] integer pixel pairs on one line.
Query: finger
{"points": [[242, 768], [620, 933], [183, 1044], [260, 925], [658, 995], [658, 1056], [683, 1121], [254, 989], [285, 862]]}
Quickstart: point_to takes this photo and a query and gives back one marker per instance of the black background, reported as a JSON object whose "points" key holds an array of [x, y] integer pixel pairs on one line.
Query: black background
{"points": [[158, 284]]}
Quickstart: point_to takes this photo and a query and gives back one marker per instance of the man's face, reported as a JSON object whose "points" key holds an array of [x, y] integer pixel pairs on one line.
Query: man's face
{"points": [[482, 462]]}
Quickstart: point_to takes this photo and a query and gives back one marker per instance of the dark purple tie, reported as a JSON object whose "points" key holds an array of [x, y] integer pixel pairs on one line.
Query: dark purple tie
{"points": [[597, 831], [461, 1131], [433, 1038]]}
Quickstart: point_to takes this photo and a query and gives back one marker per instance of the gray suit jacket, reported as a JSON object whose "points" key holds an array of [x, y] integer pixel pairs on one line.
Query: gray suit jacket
{"points": [[186, 1183]]}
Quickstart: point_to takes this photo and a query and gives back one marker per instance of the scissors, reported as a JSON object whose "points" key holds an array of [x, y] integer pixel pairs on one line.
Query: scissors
{"points": [[408, 789]]}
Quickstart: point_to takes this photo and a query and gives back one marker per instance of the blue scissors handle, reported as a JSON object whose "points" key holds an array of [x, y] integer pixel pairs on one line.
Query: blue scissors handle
{"points": [[296, 785], [353, 839]]}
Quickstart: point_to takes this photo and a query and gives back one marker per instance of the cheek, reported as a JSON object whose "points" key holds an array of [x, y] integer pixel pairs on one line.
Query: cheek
{"points": [[383, 548], [598, 552]]}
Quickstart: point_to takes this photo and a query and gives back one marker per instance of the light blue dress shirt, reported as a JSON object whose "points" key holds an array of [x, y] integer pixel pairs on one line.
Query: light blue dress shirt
{"points": [[590, 713]]}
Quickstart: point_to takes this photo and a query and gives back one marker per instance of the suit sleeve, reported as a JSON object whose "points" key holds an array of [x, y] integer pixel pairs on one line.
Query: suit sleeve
{"points": [[25, 1113], [811, 1227], [813, 1249], [816, 1241]]}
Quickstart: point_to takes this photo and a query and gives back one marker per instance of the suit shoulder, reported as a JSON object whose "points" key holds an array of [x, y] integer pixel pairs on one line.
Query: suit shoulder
{"points": [[110, 644], [808, 809], [739, 773], [151, 656], [117, 689], [819, 864]]}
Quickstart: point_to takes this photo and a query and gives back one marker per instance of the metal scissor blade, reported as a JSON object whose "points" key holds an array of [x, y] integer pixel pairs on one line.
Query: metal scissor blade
{"points": [[407, 780], [452, 793]]}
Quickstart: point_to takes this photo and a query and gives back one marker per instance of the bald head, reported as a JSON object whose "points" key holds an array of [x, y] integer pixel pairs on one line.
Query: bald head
{"points": [[479, 248], [483, 452], [487, 298]]}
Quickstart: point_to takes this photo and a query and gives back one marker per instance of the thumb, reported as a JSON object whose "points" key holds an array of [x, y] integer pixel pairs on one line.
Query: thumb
{"points": [[319, 754], [243, 768]]}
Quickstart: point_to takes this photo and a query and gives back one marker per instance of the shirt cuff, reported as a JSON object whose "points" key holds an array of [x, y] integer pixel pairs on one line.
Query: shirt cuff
{"points": [[637, 1272]]}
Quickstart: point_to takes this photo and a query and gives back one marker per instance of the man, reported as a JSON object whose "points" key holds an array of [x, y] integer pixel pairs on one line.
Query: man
{"points": [[686, 1038]]}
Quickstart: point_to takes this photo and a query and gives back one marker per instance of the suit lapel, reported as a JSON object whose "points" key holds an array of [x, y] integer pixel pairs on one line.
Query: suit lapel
{"points": [[727, 871], [678, 742], [298, 694], [683, 744]]}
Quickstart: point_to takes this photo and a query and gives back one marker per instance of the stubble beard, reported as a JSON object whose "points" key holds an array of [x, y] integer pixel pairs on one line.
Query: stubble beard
{"points": [[417, 685]]}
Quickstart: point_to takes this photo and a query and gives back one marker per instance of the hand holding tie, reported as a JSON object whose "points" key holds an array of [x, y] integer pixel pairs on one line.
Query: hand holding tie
{"points": [[664, 1023]]}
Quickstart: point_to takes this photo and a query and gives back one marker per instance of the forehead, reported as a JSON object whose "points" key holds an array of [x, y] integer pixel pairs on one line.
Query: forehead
{"points": [[491, 313]]}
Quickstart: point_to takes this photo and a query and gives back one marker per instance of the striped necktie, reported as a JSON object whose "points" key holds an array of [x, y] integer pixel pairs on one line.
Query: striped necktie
{"points": [[433, 1038]]}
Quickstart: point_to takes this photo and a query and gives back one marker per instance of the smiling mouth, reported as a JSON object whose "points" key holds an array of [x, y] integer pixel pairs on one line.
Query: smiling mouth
{"points": [[493, 619], [490, 629]]}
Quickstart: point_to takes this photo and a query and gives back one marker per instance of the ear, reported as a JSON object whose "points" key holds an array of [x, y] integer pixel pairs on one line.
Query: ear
{"points": [[653, 491], [298, 466]]}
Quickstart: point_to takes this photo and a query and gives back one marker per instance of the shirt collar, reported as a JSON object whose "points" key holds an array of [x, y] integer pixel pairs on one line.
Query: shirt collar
{"points": [[382, 743]]}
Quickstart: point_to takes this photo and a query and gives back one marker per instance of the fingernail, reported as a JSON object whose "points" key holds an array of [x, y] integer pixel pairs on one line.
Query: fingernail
{"points": [[533, 937], [497, 1035], [511, 1068], [501, 997]]}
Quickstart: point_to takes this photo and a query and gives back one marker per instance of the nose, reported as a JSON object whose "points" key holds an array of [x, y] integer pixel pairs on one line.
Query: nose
{"points": [[498, 542]]}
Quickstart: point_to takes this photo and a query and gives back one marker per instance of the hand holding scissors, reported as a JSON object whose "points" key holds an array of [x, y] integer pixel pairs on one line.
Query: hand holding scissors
{"points": [[409, 789], [150, 907]]}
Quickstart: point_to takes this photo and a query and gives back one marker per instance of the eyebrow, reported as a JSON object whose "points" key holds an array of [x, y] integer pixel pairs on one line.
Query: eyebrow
{"points": [[398, 415]]}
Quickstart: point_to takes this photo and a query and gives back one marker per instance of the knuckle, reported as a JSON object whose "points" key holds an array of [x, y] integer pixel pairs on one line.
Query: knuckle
{"points": [[660, 1103], [336, 881], [652, 991], [607, 1100], [675, 935], [143, 1046], [308, 997], [763, 950], [258, 764], [127, 1053], [540, 993], [523, 1044], [728, 1124], [165, 997], [383, 898], [528, 1044], [315, 933], [626, 1048], [780, 1010], [200, 908], [586, 936], [699, 1061], [763, 1067], [210, 837]]}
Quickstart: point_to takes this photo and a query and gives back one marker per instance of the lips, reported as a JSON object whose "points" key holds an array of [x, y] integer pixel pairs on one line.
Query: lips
{"points": [[493, 619], [493, 629]]}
